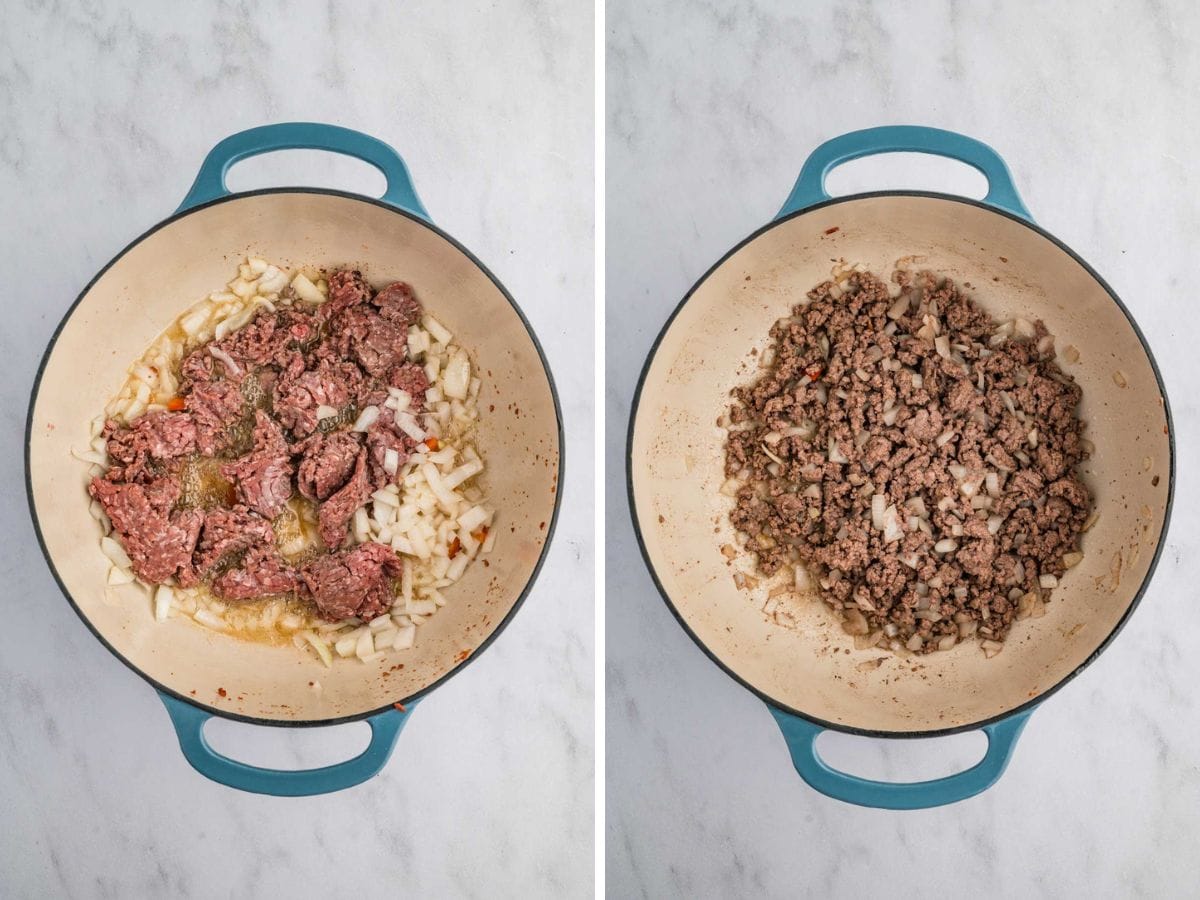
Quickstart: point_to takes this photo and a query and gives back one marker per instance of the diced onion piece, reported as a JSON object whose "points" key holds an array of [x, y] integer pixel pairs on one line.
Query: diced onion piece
{"points": [[320, 646], [835, 453], [210, 619], [345, 645], [899, 308], [462, 473], [118, 575], [306, 290], [945, 545], [365, 645], [473, 518], [163, 598], [226, 360], [1072, 559], [1048, 581], [991, 483], [407, 423], [362, 525], [456, 379], [405, 637], [892, 530], [436, 329], [368, 417], [115, 552], [941, 344], [878, 505], [444, 495], [391, 461], [326, 412]]}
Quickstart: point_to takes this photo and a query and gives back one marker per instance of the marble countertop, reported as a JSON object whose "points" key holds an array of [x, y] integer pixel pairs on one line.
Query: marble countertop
{"points": [[711, 112], [105, 115]]}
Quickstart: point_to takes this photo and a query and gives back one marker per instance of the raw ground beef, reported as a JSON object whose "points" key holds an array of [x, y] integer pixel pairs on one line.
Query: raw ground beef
{"points": [[250, 405], [264, 475], [917, 456], [354, 582], [326, 461]]}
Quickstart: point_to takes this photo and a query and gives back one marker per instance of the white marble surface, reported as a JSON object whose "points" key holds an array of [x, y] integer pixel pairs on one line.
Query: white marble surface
{"points": [[712, 110], [106, 110]]}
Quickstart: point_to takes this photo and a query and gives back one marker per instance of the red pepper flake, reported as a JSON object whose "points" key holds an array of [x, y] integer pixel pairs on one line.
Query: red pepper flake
{"points": [[175, 404], [400, 706], [432, 443], [222, 692], [832, 230], [478, 535], [815, 371], [455, 546], [462, 654]]}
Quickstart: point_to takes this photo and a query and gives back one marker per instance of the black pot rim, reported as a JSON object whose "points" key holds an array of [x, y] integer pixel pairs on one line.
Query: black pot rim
{"points": [[458, 667], [1032, 702]]}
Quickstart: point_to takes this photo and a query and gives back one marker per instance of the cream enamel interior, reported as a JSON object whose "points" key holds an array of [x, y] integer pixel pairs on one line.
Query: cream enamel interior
{"points": [[677, 463], [181, 263]]}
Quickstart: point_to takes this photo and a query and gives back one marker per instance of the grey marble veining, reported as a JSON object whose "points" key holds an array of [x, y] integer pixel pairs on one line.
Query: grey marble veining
{"points": [[712, 109], [106, 110]]}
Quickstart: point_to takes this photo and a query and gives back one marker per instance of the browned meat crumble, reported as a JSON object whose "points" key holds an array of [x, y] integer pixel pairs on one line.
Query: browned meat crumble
{"points": [[915, 455]]}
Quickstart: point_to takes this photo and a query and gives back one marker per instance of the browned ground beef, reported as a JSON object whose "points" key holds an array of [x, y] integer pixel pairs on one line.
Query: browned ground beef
{"points": [[250, 408], [853, 407]]}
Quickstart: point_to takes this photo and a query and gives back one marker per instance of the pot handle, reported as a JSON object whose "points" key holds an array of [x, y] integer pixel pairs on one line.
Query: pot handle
{"points": [[801, 736], [810, 186], [189, 726], [210, 181]]}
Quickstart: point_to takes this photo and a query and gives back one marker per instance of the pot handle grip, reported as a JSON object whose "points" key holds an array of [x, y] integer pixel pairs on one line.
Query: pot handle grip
{"points": [[810, 186], [801, 736], [189, 726], [210, 181]]}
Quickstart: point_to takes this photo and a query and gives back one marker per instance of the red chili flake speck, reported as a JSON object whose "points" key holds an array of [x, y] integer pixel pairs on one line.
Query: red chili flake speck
{"points": [[222, 692], [400, 706]]}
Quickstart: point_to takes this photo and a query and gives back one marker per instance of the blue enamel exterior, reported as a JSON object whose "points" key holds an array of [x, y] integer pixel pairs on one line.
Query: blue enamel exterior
{"points": [[810, 186], [801, 734], [189, 726], [187, 719], [210, 182]]}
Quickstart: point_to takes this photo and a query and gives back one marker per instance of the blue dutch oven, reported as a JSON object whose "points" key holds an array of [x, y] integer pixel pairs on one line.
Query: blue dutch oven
{"points": [[796, 657], [198, 673]]}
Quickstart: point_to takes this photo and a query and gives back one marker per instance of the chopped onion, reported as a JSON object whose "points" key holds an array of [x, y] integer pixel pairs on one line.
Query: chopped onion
{"points": [[878, 505], [945, 545], [435, 328], [941, 344], [899, 308], [115, 552], [407, 423], [835, 452], [892, 530], [368, 417], [391, 461], [456, 379], [326, 412]]}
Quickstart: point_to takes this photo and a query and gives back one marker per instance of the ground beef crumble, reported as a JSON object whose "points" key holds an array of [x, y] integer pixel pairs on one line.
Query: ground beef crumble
{"points": [[916, 456]]}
